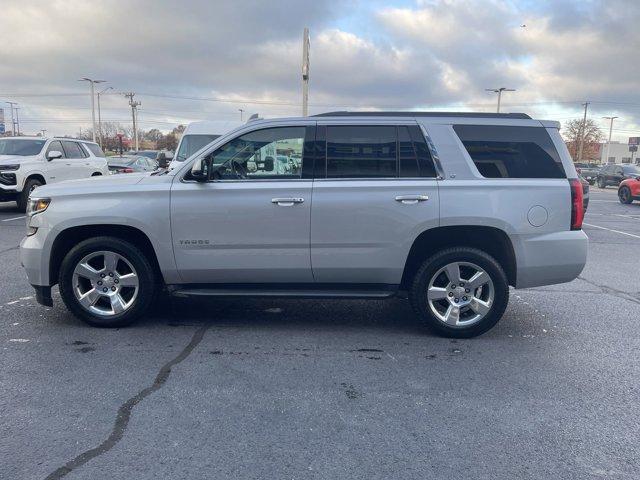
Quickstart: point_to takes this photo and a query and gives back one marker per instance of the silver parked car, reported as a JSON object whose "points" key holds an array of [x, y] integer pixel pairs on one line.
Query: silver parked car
{"points": [[447, 209]]}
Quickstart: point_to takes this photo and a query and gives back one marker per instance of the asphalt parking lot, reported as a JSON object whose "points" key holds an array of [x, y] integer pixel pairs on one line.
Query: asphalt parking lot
{"points": [[330, 389]]}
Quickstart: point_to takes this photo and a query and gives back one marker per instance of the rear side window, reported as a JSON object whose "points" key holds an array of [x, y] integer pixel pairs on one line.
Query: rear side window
{"points": [[377, 151], [95, 149], [361, 151], [511, 152], [73, 150]]}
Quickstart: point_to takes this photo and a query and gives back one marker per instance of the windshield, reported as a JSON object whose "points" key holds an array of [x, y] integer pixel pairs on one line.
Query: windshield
{"points": [[190, 144], [631, 170], [152, 154], [121, 160], [13, 146]]}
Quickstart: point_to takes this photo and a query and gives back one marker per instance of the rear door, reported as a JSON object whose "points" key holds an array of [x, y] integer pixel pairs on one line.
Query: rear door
{"points": [[375, 190], [77, 165]]}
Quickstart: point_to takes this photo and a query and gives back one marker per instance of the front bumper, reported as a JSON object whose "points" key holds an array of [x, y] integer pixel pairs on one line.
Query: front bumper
{"points": [[34, 257]]}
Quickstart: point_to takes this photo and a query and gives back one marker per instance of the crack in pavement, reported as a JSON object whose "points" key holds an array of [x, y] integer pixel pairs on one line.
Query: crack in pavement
{"points": [[9, 249], [613, 291], [124, 412]]}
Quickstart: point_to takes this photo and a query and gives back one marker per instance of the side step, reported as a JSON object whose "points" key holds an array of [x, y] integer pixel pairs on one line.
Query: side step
{"points": [[383, 291]]}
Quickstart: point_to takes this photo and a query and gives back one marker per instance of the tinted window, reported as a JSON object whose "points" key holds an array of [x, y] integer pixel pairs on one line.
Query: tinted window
{"points": [[407, 154], [262, 154], [631, 170], [95, 149], [425, 161], [361, 151], [511, 152], [190, 144], [55, 146], [72, 150]]}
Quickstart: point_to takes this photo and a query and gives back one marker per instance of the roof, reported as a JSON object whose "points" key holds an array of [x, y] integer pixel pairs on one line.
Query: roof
{"points": [[522, 116]]}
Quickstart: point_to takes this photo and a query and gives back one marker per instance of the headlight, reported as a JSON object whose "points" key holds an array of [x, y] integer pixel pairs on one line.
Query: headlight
{"points": [[15, 166], [37, 205]]}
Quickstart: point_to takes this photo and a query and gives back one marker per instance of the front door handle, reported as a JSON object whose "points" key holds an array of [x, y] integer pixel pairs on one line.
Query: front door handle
{"points": [[287, 202], [411, 199]]}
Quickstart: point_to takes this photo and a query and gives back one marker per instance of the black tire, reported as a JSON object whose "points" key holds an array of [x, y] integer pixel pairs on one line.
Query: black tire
{"points": [[624, 195], [146, 281], [591, 182], [418, 291], [23, 198], [601, 183]]}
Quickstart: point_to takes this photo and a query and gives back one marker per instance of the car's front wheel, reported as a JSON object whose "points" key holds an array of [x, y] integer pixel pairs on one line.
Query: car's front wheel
{"points": [[29, 186], [601, 183], [106, 282], [624, 195], [460, 292]]}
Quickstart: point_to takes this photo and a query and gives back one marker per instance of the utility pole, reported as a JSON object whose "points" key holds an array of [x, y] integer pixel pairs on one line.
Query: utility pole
{"points": [[305, 72], [93, 106], [583, 131], [134, 116], [611, 119], [18, 121], [100, 116], [43, 131], [13, 122], [499, 92], [241, 110]]}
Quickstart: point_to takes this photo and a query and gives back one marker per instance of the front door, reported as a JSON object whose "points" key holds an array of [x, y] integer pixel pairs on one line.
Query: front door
{"points": [[378, 193], [250, 222]]}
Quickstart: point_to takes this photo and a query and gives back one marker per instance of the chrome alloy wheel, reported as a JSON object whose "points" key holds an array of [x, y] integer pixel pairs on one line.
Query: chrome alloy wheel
{"points": [[105, 283], [460, 294]]}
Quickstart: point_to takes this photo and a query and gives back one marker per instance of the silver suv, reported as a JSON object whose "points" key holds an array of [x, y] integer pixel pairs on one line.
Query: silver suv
{"points": [[445, 209]]}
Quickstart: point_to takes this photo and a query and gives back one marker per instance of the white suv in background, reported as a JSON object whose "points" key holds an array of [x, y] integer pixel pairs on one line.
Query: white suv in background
{"points": [[28, 162]]}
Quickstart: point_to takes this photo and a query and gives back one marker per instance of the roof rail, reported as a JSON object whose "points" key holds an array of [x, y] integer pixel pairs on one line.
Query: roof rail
{"points": [[424, 114]]}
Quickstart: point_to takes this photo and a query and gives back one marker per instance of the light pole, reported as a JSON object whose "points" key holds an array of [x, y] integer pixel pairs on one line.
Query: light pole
{"points": [[100, 116], [241, 110], [13, 122], [499, 92], [93, 106], [611, 119], [18, 120]]}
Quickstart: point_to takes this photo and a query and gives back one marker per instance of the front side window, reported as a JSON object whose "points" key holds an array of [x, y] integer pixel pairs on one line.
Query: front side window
{"points": [[262, 154], [361, 151], [55, 146], [511, 152], [72, 150], [190, 144], [22, 148]]}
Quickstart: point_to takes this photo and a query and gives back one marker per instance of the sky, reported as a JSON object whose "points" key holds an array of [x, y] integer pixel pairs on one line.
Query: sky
{"points": [[205, 60]]}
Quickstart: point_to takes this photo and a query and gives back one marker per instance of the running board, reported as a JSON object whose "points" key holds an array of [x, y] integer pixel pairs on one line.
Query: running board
{"points": [[179, 291]]}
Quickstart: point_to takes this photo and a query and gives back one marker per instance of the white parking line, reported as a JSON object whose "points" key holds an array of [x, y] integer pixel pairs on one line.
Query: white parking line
{"points": [[612, 230], [15, 218]]}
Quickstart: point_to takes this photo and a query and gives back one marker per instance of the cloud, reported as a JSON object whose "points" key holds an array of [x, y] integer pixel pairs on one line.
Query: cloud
{"points": [[435, 53]]}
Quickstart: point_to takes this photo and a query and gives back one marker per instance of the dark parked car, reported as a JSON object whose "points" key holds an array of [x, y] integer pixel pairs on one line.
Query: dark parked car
{"points": [[614, 174], [163, 157], [131, 164], [585, 192], [588, 171]]}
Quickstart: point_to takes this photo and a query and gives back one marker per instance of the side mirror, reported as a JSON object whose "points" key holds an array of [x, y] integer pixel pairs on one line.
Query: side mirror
{"points": [[268, 164], [54, 154], [200, 170], [168, 155]]}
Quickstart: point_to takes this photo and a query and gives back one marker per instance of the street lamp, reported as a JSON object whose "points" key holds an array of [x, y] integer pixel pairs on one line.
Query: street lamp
{"points": [[93, 106], [610, 130], [100, 117], [499, 92]]}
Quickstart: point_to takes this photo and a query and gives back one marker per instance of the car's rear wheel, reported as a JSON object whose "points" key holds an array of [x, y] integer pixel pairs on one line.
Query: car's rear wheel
{"points": [[29, 186], [601, 183], [106, 282], [624, 195], [460, 292]]}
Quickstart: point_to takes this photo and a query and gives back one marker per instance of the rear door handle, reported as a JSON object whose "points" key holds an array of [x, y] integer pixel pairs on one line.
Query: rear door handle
{"points": [[286, 202], [411, 199]]}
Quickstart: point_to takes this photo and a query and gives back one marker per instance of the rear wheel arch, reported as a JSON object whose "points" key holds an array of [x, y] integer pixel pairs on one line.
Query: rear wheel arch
{"points": [[70, 237], [491, 240]]}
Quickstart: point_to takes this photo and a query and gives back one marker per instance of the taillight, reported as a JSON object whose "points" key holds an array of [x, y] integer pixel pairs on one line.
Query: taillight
{"points": [[577, 208], [127, 170]]}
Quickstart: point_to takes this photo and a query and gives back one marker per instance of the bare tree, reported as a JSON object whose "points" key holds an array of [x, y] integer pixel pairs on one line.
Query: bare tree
{"points": [[572, 130]]}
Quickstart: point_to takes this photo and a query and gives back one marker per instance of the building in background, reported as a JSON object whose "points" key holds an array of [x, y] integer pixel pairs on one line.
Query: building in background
{"points": [[619, 152]]}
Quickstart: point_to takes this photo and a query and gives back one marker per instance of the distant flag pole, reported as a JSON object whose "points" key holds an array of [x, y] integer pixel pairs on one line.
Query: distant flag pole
{"points": [[305, 73]]}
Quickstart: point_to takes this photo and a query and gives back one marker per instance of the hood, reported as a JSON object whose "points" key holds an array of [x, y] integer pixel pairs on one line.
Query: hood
{"points": [[92, 184], [13, 159]]}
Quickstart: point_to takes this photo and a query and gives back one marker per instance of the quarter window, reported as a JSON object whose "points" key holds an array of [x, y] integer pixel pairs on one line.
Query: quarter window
{"points": [[262, 154], [511, 152]]}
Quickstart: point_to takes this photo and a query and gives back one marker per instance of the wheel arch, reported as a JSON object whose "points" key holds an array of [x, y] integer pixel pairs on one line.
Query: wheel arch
{"points": [[491, 240], [36, 176], [71, 236]]}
